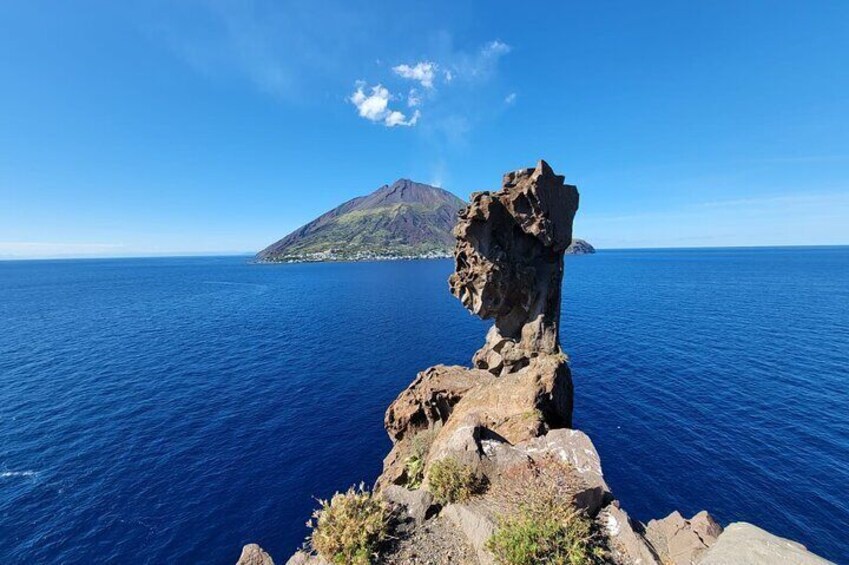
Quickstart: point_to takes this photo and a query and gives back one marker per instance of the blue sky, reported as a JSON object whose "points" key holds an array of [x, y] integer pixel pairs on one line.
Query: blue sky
{"points": [[157, 127]]}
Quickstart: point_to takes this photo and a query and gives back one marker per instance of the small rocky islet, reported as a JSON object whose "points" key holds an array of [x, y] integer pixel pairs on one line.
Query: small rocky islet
{"points": [[485, 466]]}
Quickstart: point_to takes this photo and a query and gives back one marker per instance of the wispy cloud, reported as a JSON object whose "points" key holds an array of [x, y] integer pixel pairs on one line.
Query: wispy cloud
{"points": [[374, 106], [510, 98], [482, 64], [495, 49], [424, 72]]}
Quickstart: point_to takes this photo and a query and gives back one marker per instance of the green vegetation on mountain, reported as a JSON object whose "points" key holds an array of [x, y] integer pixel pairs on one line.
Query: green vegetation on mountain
{"points": [[404, 219]]}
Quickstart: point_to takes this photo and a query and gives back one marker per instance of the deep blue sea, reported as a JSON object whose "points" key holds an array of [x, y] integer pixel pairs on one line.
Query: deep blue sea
{"points": [[172, 410]]}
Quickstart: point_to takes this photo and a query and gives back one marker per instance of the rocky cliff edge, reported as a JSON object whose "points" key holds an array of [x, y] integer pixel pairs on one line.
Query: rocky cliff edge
{"points": [[503, 425]]}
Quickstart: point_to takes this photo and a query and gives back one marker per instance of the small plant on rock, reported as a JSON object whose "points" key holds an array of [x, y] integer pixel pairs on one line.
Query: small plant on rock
{"points": [[450, 481], [347, 529], [540, 523], [414, 469], [527, 538], [414, 464]]}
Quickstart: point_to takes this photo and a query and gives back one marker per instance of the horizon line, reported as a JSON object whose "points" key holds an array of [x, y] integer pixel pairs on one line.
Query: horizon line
{"points": [[212, 254]]}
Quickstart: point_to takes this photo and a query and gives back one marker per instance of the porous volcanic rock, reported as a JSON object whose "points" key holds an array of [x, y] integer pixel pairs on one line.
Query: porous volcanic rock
{"points": [[509, 264]]}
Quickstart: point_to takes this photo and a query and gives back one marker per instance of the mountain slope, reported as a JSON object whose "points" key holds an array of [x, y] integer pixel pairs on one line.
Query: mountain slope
{"points": [[405, 218]]}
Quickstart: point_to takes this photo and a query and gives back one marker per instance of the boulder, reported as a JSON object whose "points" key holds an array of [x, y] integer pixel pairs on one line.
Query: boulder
{"points": [[575, 448], [252, 554], [625, 537], [477, 523], [417, 504], [744, 544], [304, 558], [681, 541], [422, 408], [430, 399], [513, 408]]}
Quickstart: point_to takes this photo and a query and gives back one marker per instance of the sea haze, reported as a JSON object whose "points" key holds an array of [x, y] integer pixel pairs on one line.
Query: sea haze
{"points": [[172, 410]]}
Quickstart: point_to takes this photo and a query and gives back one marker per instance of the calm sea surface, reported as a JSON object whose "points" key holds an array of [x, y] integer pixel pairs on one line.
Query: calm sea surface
{"points": [[171, 410]]}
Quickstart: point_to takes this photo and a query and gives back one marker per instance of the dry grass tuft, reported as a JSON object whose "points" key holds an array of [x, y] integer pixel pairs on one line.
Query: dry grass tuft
{"points": [[348, 528], [539, 522], [450, 481]]}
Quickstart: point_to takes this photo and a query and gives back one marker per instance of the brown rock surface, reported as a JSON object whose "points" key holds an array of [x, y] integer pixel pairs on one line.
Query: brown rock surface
{"points": [[509, 264], [745, 544], [509, 267], [424, 406], [626, 542], [430, 399], [681, 541], [252, 554]]}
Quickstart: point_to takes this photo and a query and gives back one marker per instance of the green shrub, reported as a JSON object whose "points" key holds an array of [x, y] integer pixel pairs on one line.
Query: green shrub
{"points": [[414, 464], [347, 529], [528, 539], [450, 481], [414, 469], [540, 523]]}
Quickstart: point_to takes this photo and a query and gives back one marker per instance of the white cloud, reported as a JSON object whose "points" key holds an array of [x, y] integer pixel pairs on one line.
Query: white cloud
{"points": [[511, 98], [396, 118], [375, 106], [495, 49], [423, 72], [413, 98]]}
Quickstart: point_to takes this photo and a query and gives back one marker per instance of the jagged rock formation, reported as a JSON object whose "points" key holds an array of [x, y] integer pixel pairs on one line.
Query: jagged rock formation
{"points": [[508, 267]]}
